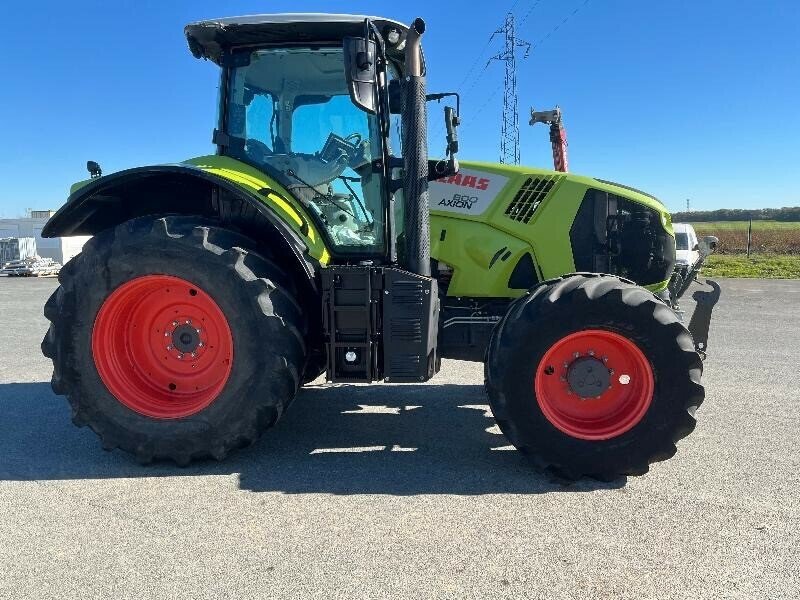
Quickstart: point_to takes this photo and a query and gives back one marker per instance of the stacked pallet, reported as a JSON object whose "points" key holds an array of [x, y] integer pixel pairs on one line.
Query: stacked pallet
{"points": [[34, 266]]}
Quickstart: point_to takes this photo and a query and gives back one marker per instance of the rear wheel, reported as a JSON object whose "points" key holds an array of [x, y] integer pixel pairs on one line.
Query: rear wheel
{"points": [[196, 344], [593, 375]]}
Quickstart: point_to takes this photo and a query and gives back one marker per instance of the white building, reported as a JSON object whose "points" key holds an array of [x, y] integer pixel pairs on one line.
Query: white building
{"points": [[59, 249]]}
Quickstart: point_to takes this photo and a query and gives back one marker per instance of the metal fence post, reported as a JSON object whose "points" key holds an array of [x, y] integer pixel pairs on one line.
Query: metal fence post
{"points": [[749, 236]]}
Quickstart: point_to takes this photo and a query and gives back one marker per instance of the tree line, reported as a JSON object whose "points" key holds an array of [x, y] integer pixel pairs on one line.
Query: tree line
{"points": [[787, 213]]}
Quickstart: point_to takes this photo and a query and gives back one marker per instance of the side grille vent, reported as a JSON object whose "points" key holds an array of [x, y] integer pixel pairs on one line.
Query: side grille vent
{"points": [[408, 292], [407, 330], [405, 365], [529, 197]]}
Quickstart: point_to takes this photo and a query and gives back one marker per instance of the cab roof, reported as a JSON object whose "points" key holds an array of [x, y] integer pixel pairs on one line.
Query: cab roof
{"points": [[209, 39]]}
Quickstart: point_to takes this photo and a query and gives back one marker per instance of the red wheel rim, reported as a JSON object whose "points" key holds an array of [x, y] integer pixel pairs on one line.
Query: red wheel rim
{"points": [[162, 346], [617, 408]]}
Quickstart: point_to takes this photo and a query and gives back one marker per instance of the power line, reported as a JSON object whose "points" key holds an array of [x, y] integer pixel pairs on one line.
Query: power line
{"points": [[472, 68], [487, 101], [557, 27], [530, 10]]}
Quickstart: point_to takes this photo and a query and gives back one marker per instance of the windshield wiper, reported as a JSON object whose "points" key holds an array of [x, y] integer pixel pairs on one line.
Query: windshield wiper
{"points": [[345, 180]]}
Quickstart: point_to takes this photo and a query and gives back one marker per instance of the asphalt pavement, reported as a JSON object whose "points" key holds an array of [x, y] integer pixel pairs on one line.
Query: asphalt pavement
{"points": [[409, 491]]}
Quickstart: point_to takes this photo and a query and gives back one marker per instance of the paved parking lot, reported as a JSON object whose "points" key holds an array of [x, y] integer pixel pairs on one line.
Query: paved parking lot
{"points": [[409, 491]]}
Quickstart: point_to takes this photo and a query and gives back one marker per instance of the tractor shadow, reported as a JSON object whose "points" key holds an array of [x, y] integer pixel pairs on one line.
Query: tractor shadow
{"points": [[396, 440]]}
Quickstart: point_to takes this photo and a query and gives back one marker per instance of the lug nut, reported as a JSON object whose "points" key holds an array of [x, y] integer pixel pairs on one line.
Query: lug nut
{"points": [[169, 347], [174, 323], [180, 356]]}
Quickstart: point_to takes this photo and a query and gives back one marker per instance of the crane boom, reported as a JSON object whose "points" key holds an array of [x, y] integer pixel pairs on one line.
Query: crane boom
{"points": [[558, 135]]}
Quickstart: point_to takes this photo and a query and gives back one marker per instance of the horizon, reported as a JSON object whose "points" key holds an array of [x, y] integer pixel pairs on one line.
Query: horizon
{"points": [[675, 107]]}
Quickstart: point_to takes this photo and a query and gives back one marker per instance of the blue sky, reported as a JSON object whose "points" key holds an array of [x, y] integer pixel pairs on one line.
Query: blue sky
{"points": [[685, 99]]}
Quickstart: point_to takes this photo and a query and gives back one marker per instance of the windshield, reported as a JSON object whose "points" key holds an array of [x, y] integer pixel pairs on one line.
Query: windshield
{"points": [[289, 113], [681, 241]]}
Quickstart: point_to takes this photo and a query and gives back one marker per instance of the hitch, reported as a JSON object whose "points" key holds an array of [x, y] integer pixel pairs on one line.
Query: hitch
{"points": [[701, 318]]}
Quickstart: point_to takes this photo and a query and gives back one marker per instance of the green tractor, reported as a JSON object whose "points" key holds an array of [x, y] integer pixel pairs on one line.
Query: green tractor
{"points": [[320, 238]]}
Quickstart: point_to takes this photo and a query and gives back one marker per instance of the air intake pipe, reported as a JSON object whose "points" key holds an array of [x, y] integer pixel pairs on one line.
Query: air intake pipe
{"points": [[415, 156]]}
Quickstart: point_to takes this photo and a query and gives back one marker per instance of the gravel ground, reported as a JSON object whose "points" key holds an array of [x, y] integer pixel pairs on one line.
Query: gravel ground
{"points": [[409, 491]]}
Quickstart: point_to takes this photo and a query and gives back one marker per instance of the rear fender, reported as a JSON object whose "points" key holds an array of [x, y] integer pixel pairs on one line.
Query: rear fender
{"points": [[184, 189]]}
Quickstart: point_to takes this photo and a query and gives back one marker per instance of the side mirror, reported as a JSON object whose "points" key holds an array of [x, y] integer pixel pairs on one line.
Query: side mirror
{"points": [[359, 54], [707, 245], [451, 122]]}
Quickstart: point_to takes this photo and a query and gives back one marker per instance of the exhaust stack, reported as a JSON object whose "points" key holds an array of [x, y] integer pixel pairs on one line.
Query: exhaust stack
{"points": [[415, 155]]}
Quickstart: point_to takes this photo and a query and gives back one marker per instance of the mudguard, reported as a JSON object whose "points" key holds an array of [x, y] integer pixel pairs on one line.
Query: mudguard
{"points": [[214, 186]]}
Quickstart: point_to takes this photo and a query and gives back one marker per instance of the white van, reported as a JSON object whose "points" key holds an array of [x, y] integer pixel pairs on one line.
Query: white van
{"points": [[687, 247]]}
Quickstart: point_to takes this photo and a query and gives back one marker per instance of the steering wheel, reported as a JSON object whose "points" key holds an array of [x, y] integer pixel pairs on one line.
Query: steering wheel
{"points": [[354, 147], [359, 148], [257, 150]]}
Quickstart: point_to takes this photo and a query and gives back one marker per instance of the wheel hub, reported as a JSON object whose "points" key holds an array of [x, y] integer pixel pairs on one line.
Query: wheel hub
{"points": [[588, 377], [186, 338]]}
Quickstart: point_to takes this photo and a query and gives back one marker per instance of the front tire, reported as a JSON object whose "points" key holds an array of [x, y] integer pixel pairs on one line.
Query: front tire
{"points": [[172, 341], [592, 375]]}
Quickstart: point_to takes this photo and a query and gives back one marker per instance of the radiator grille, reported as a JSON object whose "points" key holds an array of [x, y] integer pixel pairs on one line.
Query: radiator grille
{"points": [[529, 197]]}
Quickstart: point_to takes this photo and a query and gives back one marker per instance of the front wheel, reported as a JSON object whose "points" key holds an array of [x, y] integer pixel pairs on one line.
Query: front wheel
{"points": [[172, 341], [593, 375]]}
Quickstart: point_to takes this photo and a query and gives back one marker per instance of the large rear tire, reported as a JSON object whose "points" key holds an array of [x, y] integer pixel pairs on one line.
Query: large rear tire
{"points": [[172, 341], [592, 375]]}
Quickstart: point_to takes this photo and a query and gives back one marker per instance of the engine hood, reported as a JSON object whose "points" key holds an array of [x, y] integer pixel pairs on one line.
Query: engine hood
{"points": [[514, 172]]}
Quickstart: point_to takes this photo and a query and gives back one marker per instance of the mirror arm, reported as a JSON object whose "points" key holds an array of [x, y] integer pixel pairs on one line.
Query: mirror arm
{"points": [[439, 97]]}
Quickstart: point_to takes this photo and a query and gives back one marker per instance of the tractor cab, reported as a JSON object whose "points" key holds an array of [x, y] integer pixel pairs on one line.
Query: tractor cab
{"points": [[305, 98]]}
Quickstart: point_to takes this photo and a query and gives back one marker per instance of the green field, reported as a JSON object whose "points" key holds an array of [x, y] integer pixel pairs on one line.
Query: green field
{"points": [[773, 266], [768, 237], [774, 249], [710, 226]]}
